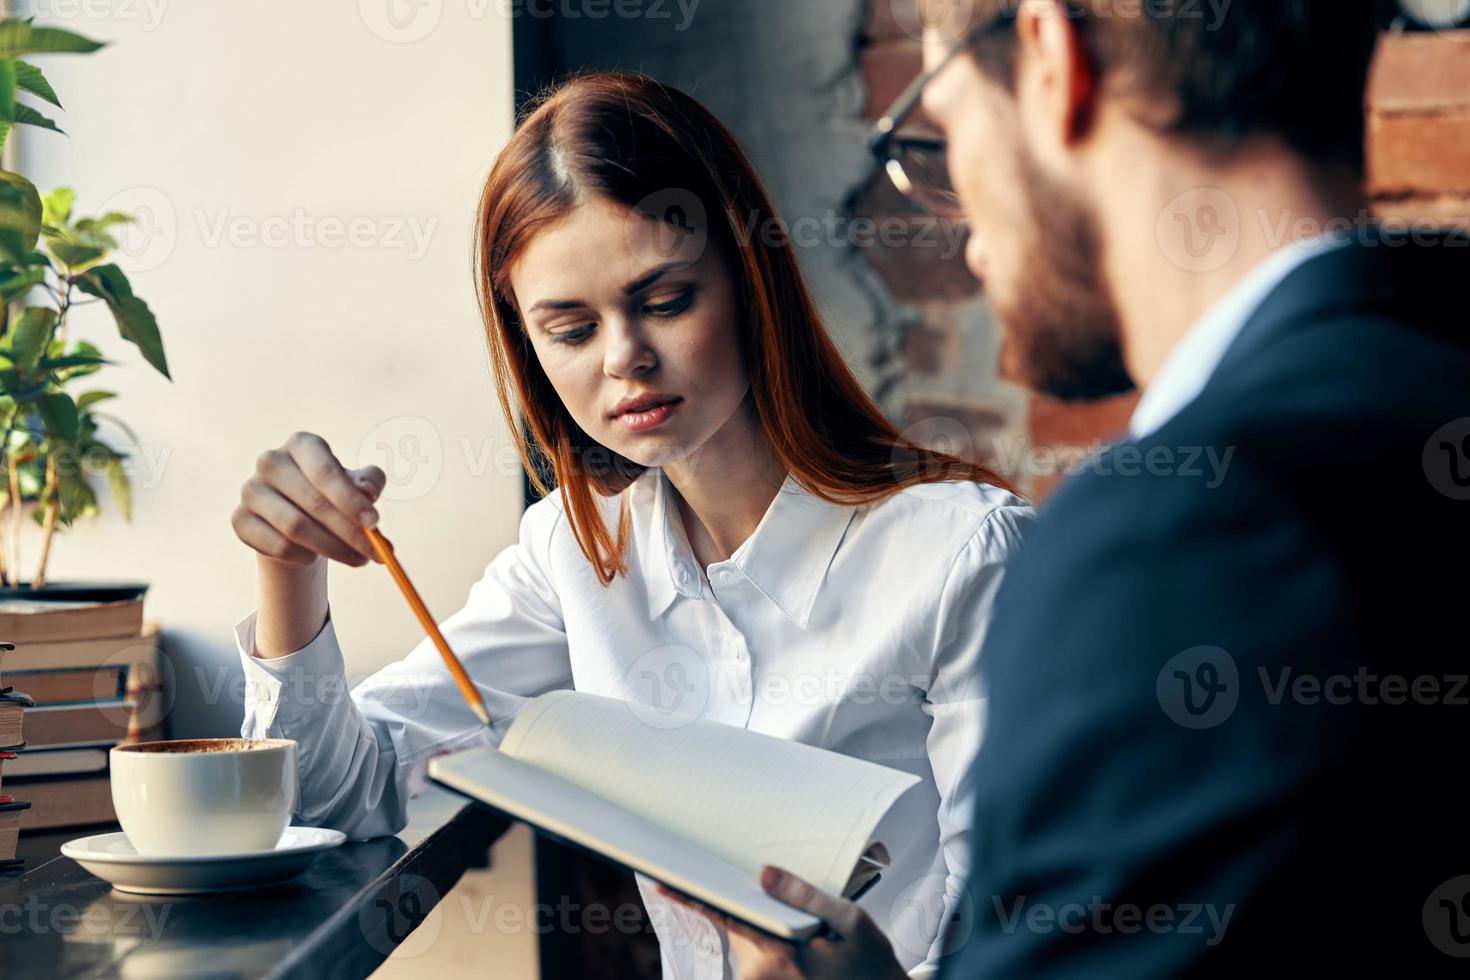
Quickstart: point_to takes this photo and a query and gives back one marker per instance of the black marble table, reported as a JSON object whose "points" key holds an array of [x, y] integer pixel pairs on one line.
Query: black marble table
{"points": [[341, 918]]}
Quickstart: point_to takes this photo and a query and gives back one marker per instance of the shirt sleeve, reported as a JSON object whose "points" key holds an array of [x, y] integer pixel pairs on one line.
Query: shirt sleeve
{"points": [[363, 754], [956, 699]]}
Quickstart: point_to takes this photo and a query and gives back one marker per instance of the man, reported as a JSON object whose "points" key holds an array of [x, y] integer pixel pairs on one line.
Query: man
{"points": [[1227, 675]]}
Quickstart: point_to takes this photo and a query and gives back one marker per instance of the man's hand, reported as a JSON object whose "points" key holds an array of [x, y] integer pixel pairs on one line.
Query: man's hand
{"points": [[851, 948]]}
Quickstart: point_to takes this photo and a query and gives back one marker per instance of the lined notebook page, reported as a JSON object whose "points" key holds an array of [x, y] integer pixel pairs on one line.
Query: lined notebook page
{"points": [[748, 798], [529, 793]]}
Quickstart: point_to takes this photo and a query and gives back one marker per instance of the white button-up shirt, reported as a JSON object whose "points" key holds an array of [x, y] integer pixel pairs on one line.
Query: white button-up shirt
{"points": [[854, 629]]}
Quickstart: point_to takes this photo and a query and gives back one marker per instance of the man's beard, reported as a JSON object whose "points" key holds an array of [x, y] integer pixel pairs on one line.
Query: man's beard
{"points": [[1062, 335]]}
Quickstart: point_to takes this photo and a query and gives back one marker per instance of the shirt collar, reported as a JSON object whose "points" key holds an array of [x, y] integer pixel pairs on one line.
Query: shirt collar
{"points": [[1194, 358], [786, 558]]}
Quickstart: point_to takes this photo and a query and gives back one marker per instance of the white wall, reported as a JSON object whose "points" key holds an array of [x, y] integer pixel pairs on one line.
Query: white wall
{"points": [[307, 174]]}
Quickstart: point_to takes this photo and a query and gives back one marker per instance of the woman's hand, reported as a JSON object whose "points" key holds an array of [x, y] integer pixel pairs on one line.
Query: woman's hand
{"points": [[301, 506], [853, 947]]}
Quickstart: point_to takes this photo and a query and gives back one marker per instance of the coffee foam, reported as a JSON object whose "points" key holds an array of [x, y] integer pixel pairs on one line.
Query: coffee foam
{"points": [[197, 745]]}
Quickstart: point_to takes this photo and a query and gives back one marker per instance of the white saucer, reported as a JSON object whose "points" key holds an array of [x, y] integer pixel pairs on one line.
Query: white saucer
{"points": [[112, 858]]}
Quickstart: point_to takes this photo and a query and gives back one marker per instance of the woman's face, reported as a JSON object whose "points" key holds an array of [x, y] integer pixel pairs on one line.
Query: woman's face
{"points": [[636, 325]]}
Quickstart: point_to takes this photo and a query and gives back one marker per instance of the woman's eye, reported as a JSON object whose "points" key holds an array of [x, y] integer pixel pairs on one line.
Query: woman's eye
{"points": [[574, 336], [672, 307]]}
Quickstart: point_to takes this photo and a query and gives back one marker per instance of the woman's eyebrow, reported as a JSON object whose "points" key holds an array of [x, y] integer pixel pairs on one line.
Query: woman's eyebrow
{"points": [[653, 276], [559, 304]]}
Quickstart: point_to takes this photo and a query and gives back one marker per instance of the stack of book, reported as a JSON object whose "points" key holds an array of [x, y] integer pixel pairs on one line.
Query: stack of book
{"points": [[12, 717], [91, 673]]}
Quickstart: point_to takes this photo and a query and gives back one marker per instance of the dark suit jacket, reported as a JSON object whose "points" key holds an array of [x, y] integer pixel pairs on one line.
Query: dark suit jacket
{"points": [[1207, 753]]}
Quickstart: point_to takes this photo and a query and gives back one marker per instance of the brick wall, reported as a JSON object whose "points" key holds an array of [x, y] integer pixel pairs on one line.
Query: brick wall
{"points": [[1419, 128], [1419, 169]]}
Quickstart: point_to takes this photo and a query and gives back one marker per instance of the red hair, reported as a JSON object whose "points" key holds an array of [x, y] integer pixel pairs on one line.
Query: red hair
{"points": [[628, 139]]}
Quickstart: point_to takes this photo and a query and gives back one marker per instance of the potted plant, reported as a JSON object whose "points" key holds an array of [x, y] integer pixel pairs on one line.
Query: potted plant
{"points": [[52, 261]]}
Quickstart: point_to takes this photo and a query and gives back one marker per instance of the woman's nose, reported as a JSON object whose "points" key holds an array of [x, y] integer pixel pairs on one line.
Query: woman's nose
{"points": [[628, 353]]}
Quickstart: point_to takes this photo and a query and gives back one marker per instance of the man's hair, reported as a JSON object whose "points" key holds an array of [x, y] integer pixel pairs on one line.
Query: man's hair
{"points": [[1220, 71]]}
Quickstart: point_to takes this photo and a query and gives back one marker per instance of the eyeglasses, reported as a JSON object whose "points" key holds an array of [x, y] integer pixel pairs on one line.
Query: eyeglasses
{"points": [[915, 161]]}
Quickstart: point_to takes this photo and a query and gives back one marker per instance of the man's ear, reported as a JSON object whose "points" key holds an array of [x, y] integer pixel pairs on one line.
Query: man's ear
{"points": [[1056, 83]]}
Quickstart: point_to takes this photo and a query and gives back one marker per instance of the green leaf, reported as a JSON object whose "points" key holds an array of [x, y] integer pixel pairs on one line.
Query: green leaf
{"points": [[90, 398], [74, 256], [56, 206], [29, 78], [30, 335], [76, 497], [121, 485], [31, 481], [60, 415], [70, 361], [16, 283], [18, 38], [30, 117], [135, 322], [7, 98], [20, 214], [83, 359], [8, 84]]}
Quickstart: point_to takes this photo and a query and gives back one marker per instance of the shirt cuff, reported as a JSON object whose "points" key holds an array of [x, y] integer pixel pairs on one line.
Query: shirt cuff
{"points": [[274, 687]]}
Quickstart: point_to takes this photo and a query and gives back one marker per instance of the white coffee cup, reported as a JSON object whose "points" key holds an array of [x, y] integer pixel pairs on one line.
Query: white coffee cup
{"points": [[204, 795]]}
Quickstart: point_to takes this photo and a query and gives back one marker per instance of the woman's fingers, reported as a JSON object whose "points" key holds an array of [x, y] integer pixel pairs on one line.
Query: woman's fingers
{"points": [[370, 480], [841, 915], [294, 485], [254, 531], [313, 457], [294, 524], [306, 505]]}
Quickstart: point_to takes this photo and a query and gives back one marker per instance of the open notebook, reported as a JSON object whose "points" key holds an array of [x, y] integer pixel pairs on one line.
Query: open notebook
{"points": [[701, 807]]}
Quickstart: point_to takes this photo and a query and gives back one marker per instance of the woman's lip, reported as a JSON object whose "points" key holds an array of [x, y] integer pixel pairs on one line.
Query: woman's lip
{"points": [[649, 406], [649, 419]]}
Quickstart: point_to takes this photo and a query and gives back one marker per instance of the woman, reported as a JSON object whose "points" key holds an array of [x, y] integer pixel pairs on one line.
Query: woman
{"points": [[737, 532]]}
